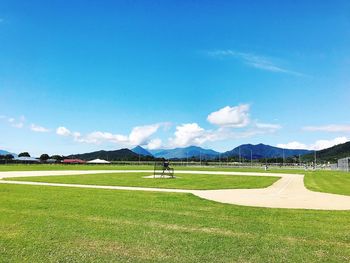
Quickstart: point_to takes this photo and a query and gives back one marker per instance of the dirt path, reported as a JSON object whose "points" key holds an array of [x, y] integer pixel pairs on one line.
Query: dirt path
{"points": [[288, 192]]}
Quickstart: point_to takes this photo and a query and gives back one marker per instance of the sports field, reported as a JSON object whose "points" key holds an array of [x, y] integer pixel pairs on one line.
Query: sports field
{"points": [[59, 224]]}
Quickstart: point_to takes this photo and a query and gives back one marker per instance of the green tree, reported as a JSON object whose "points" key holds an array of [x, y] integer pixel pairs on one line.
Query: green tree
{"points": [[44, 157], [57, 157], [24, 154]]}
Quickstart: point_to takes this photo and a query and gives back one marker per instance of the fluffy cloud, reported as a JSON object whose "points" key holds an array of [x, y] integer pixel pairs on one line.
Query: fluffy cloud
{"points": [[292, 145], [38, 128], [188, 134], [328, 128], [236, 117], [318, 145], [323, 144], [63, 131], [154, 144], [139, 135]]}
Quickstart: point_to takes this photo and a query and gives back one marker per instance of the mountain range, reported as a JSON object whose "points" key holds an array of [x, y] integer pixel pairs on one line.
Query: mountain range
{"points": [[261, 151], [117, 155], [258, 151], [142, 151], [3, 152], [187, 152]]}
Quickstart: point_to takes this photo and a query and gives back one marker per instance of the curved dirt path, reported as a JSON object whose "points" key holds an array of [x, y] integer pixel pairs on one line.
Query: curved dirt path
{"points": [[288, 192]]}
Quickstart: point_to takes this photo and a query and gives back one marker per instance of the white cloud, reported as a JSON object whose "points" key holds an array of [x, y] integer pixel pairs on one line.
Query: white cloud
{"points": [[141, 134], [292, 145], [255, 61], [188, 134], [236, 117], [38, 128], [318, 145], [17, 123], [328, 128], [323, 144], [154, 144], [99, 137], [63, 131]]}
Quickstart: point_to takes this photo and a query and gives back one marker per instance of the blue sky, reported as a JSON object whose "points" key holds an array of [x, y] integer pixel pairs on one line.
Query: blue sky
{"points": [[79, 76]]}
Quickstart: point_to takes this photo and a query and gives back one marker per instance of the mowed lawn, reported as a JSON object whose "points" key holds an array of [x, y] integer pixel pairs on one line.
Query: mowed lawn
{"points": [[49, 224], [329, 182], [49, 167], [183, 181]]}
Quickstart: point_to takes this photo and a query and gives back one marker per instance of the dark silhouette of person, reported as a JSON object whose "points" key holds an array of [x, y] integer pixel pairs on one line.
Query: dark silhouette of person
{"points": [[165, 165]]}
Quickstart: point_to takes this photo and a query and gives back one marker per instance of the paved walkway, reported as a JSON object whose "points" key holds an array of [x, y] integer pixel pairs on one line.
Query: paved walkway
{"points": [[288, 192]]}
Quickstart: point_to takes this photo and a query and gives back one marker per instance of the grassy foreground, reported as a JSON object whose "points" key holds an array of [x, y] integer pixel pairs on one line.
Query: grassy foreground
{"points": [[48, 224], [184, 181]]}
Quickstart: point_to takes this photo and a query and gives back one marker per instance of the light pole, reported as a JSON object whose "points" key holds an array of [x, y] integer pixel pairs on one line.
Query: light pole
{"points": [[239, 154], [251, 158], [315, 160]]}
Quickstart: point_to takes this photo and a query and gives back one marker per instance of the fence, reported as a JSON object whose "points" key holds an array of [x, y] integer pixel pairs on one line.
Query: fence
{"points": [[344, 164]]}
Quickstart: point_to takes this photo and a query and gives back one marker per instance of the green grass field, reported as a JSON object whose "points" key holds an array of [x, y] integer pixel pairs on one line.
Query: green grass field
{"points": [[329, 182], [49, 224], [184, 181]]}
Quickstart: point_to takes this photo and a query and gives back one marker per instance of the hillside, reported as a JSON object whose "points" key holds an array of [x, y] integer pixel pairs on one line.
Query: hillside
{"points": [[3, 152], [331, 154], [117, 155], [260, 151]]}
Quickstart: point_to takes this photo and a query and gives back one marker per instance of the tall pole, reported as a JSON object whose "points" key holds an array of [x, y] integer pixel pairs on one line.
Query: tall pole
{"points": [[187, 158], [283, 158], [315, 159], [219, 159], [251, 158], [200, 158], [239, 151]]}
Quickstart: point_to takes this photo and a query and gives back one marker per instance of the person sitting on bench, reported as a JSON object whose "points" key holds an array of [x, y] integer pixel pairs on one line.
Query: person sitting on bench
{"points": [[166, 166]]}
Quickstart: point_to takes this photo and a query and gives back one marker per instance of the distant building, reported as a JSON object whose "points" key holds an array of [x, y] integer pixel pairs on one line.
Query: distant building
{"points": [[26, 160], [98, 161], [344, 164], [73, 161]]}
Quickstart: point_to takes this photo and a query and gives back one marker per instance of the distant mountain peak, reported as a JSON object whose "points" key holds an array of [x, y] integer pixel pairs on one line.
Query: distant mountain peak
{"points": [[140, 150]]}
